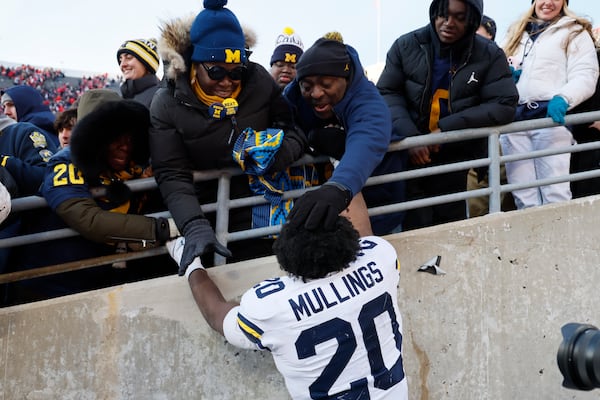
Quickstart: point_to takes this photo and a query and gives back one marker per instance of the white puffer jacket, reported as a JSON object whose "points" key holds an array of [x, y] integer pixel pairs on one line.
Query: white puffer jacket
{"points": [[549, 69]]}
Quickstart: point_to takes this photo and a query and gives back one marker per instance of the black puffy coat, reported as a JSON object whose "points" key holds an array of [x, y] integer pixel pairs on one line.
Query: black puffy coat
{"points": [[184, 137], [482, 90]]}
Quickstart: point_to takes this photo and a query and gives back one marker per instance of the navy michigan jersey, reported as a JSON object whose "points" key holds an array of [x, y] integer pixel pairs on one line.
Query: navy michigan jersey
{"points": [[64, 181], [339, 337]]}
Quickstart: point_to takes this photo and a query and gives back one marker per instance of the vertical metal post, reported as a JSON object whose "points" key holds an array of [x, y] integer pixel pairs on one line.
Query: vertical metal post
{"points": [[222, 218], [494, 171]]}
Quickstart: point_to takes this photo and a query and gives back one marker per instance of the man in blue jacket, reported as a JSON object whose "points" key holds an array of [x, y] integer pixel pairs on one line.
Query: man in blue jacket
{"points": [[345, 118], [444, 77], [25, 104]]}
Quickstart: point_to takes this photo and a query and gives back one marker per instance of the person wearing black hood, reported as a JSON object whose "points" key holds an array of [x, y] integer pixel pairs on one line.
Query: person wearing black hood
{"points": [[444, 77]]}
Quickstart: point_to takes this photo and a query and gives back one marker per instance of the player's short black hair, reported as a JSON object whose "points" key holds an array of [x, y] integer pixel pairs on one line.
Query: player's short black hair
{"points": [[314, 254]]}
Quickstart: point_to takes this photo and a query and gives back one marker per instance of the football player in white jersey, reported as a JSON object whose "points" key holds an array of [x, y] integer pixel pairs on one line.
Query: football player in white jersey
{"points": [[332, 324]]}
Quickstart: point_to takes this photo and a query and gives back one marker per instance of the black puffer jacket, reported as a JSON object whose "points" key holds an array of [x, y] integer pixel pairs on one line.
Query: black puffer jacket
{"points": [[482, 91], [184, 137]]}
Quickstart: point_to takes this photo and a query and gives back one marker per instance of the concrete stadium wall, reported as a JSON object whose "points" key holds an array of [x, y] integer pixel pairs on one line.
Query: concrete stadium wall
{"points": [[487, 329]]}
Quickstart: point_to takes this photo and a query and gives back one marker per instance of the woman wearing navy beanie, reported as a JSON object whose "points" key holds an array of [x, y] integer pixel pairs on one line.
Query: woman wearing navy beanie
{"points": [[212, 93]]}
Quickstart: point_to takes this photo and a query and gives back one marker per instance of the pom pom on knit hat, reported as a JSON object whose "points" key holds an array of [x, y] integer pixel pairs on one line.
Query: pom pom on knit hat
{"points": [[326, 57], [288, 47], [217, 36], [333, 35], [145, 50]]}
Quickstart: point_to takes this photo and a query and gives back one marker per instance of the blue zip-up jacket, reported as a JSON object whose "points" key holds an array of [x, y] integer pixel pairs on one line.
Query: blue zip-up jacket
{"points": [[365, 118]]}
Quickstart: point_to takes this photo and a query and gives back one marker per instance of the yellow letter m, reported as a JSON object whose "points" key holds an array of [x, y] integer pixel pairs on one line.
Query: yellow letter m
{"points": [[232, 56]]}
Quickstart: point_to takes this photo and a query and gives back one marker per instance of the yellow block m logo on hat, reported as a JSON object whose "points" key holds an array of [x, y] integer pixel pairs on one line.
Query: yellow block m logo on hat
{"points": [[290, 57], [233, 56]]}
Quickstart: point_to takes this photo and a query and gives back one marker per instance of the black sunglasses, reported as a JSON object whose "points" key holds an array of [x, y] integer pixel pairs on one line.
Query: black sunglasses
{"points": [[218, 73]]}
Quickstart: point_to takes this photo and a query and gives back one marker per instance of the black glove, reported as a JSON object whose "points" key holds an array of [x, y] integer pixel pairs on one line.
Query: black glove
{"points": [[291, 149], [199, 239], [320, 207], [285, 156], [118, 192], [330, 141]]}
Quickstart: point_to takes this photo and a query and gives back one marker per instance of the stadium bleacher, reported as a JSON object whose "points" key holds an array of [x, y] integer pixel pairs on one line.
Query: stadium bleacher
{"points": [[59, 91]]}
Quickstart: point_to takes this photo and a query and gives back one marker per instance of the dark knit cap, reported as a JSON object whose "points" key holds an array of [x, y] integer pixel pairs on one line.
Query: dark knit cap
{"points": [[325, 57], [217, 36], [145, 50], [489, 25]]}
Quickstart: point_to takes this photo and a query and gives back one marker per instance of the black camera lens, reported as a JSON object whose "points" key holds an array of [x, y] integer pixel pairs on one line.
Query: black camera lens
{"points": [[579, 356]]}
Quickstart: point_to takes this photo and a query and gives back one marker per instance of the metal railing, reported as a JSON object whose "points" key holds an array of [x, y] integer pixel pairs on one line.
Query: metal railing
{"points": [[223, 204]]}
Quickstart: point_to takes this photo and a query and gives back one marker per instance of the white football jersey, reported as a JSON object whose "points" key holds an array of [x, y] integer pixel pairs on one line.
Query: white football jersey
{"points": [[339, 337]]}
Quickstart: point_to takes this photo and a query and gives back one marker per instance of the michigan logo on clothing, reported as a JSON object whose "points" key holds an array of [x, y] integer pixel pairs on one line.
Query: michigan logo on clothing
{"points": [[233, 56]]}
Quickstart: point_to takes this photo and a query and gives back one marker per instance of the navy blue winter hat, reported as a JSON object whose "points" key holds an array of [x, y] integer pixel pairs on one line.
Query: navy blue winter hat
{"points": [[489, 25], [326, 57], [217, 35]]}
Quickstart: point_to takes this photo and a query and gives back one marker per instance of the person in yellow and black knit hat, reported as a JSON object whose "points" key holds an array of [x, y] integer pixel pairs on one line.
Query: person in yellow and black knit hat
{"points": [[211, 93], [139, 60]]}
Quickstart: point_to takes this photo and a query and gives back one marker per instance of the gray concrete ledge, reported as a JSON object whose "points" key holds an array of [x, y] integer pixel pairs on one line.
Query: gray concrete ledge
{"points": [[488, 329]]}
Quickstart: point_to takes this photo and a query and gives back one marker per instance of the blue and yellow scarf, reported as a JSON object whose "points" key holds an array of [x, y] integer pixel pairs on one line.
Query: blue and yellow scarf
{"points": [[255, 153]]}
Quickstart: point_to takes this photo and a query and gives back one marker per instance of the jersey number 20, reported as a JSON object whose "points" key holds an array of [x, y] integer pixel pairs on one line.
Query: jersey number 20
{"points": [[341, 330], [65, 174]]}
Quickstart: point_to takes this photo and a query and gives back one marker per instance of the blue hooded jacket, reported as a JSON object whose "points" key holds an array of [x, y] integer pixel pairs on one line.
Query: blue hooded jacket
{"points": [[24, 151], [30, 107], [366, 119]]}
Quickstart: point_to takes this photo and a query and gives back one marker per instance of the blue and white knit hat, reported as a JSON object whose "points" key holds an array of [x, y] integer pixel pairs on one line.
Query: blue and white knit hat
{"points": [[288, 47]]}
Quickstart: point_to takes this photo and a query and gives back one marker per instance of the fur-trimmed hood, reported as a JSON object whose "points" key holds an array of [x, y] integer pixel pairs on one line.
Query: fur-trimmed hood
{"points": [[93, 134], [175, 47]]}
